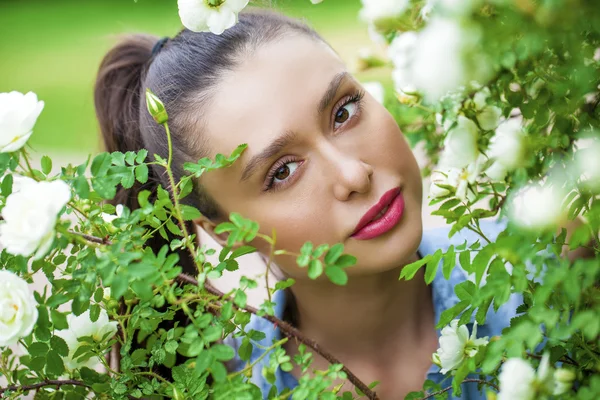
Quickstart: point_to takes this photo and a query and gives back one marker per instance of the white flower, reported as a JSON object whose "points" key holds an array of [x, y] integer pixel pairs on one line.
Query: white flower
{"points": [[441, 178], [80, 326], [488, 116], [30, 216], [109, 217], [537, 207], [587, 163], [106, 293], [401, 52], [468, 176], [508, 144], [18, 114], [375, 89], [375, 36], [456, 346], [460, 145], [18, 312], [402, 49], [496, 171], [375, 11], [437, 66], [516, 380], [519, 381], [316, 1], [210, 15]]}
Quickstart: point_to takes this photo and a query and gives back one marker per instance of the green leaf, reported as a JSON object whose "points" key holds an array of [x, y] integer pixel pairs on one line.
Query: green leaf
{"points": [[315, 269], [243, 250], [143, 198], [118, 158], [141, 156], [141, 173], [336, 275], [46, 165], [128, 179], [465, 260], [100, 165], [303, 260], [218, 371], [245, 350], [203, 360], [320, 250], [306, 249], [334, 253], [57, 299], [130, 157], [410, 270], [449, 262], [7, 184], [189, 213], [94, 312], [345, 261], [281, 285], [54, 363], [432, 266], [222, 352], [171, 346], [37, 349], [240, 298], [59, 345], [451, 313]]}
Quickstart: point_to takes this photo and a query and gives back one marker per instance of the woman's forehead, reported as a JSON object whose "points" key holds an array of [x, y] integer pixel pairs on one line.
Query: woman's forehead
{"points": [[278, 88]]}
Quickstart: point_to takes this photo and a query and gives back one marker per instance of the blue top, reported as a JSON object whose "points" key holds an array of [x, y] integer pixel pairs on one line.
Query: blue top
{"points": [[443, 298]]}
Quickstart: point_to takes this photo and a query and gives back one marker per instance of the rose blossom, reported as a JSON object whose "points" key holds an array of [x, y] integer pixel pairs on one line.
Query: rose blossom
{"points": [[18, 312]]}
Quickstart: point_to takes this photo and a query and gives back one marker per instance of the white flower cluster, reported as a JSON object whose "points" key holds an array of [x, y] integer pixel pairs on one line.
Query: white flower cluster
{"points": [[519, 381], [82, 326], [210, 15], [456, 346], [30, 216], [378, 12], [438, 59], [18, 312]]}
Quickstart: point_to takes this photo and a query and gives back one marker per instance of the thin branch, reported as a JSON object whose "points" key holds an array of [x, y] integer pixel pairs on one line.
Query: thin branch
{"points": [[291, 332], [58, 383], [430, 395]]}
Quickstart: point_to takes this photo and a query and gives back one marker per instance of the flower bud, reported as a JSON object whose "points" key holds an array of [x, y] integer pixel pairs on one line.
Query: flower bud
{"points": [[156, 108], [563, 381]]}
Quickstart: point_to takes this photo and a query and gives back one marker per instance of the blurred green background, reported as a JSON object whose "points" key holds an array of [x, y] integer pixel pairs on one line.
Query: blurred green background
{"points": [[54, 48]]}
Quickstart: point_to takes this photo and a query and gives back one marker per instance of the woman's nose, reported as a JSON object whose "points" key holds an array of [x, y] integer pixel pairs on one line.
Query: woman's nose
{"points": [[352, 176]]}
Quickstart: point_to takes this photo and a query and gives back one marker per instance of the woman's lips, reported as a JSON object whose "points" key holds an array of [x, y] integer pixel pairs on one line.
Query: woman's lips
{"points": [[382, 217]]}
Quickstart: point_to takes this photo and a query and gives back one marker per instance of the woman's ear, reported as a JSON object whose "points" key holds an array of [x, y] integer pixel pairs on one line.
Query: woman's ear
{"points": [[209, 227]]}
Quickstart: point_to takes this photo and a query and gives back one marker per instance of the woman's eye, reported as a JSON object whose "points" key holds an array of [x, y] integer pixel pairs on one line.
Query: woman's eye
{"points": [[345, 112], [285, 171]]}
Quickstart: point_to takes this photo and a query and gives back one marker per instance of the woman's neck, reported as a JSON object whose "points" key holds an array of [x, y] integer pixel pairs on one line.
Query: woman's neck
{"points": [[367, 315]]}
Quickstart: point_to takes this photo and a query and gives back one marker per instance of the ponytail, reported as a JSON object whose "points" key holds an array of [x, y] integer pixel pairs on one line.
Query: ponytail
{"points": [[118, 99]]}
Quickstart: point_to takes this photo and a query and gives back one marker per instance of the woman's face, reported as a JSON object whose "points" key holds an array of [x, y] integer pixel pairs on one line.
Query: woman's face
{"points": [[320, 154]]}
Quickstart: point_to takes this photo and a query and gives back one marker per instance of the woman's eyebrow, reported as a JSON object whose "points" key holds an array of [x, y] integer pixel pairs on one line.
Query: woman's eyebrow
{"points": [[331, 91], [275, 147], [289, 136]]}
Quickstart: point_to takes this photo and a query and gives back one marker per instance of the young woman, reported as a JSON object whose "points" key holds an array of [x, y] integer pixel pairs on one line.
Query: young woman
{"points": [[325, 162]]}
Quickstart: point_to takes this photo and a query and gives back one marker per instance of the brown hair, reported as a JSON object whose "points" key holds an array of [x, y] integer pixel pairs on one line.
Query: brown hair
{"points": [[183, 74]]}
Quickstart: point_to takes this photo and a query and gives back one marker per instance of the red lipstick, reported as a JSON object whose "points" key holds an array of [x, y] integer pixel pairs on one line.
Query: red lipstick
{"points": [[382, 217]]}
